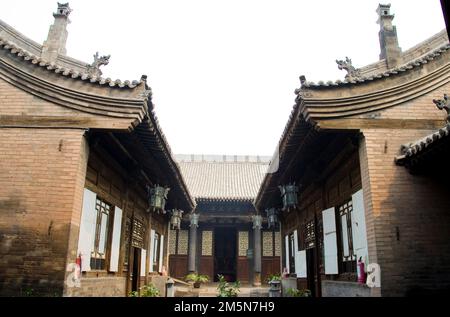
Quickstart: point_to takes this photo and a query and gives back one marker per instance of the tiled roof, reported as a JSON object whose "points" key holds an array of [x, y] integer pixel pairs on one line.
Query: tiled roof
{"points": [[419, 146], [138, 106], [64, 71], [223, 177], [391, 72]]}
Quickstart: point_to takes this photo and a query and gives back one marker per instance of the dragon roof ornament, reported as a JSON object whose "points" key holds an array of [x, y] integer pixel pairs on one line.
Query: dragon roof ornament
{"points": [[352, 72], [94, 68]]}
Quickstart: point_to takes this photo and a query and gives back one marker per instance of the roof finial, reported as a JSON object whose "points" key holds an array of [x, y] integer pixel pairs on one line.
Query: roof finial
{"points": [[352, 72], [302, 79], [388, 37], [94, 68], [63, 10], [57, 35], [443, 104]]}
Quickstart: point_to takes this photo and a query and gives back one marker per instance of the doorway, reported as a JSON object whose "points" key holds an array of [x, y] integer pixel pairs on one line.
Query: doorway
{"points": [[135, 273], [225, 247], [311, 271]]}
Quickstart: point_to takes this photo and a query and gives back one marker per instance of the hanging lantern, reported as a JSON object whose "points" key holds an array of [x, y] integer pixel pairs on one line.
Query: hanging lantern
{"points": [[272, 217], [289, 195], [157, 196], [175, 219]]}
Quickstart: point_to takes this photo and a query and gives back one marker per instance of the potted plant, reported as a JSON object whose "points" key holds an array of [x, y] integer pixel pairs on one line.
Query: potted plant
{"points": [[274, 281], [227, 290], [197, 279], [273, 277]]}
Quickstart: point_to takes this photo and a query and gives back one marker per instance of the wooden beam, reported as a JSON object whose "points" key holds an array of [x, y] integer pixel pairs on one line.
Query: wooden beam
{"points": [[81, 122], [135, 162], [359, 124]]}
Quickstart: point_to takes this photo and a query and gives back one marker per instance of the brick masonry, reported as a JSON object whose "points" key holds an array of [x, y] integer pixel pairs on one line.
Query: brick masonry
{"points": [[413, 207], [407, 217], [98, 287], [40, 177]]}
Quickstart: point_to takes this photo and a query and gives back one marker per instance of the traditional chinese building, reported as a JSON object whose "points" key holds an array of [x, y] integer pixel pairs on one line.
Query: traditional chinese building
{"points": [[341, 156], [81, 157], [225, 235]]}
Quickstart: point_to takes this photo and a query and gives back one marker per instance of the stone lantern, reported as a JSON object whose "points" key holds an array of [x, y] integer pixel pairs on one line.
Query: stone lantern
{"points": [[272, 217], [157, 196], [175, 219], [289, 195]]}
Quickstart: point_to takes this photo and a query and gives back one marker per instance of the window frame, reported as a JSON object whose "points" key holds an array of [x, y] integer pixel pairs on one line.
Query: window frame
{"points": [[156, 250], [99, 204], [347, 264], [292, 252]]}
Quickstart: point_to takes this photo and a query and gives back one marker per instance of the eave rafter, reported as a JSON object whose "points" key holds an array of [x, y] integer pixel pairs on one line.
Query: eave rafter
{"points": [[335, 108], [80, 96]]}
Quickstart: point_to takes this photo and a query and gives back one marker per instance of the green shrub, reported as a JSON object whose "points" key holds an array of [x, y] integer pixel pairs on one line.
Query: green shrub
{"points": [[227, 290], [299, 293], [145, 291], [273, 277], [149, 291], [197, 278]]}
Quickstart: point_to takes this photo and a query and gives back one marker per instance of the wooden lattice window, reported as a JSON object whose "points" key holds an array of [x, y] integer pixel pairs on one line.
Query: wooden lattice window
{"points": [[173, 236], [98, 254], [138, 234], [127, 243], [321, 250], [243, 243], [309, 235], [268, 243], [207, 243], [348, 258]]}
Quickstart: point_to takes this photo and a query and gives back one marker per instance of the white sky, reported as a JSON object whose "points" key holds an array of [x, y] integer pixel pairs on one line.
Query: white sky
{"points": [[223, 73]]}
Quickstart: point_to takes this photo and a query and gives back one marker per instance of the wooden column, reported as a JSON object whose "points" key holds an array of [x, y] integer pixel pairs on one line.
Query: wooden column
{"points": [[192, 242], [257, 222]]}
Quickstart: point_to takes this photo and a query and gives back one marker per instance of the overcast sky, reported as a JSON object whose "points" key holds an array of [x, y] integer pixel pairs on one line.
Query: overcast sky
{"points": [[223, 73]]}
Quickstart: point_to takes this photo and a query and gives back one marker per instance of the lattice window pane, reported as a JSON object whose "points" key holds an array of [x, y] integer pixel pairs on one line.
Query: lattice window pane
{"points": [[267, 243], [277, 243], [243, 243], [127, 242], [138, 234], [207, 242], [172, 241], [183, 242], [310, 235]]}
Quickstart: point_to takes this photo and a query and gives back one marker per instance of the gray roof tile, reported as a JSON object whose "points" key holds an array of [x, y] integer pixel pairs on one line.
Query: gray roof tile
{"points": [[223, 177]]}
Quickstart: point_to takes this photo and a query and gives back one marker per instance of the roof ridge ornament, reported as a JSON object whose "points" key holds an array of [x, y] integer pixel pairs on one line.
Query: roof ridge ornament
{"points": [[63, 10], [352, 72], [303, 84], [94, 68], [443, 104]]}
